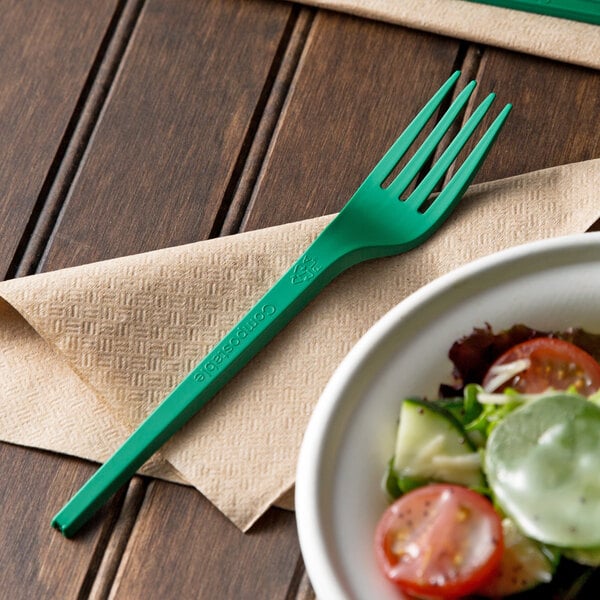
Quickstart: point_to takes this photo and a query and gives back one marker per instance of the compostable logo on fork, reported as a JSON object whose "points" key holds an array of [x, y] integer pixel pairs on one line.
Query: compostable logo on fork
{"points": [[221, 354]]}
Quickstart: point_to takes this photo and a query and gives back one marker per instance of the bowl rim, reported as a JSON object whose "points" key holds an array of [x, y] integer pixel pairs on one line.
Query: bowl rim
{"points": [[319, 565]]}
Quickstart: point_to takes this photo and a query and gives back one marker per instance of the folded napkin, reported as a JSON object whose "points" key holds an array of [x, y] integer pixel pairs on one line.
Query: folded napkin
{"points": [[87, 352], [559, 39]]}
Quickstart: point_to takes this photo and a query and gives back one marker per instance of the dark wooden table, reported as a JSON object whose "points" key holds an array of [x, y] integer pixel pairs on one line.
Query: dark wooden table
{"points": [[131, 125]]}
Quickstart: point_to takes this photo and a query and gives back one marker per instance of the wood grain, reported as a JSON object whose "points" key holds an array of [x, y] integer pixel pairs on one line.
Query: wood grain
{"points": [[84, 120], [103, 578], [555, 116], [268, 121], [44, 69], [355, 91], [37, 562], [182, 548], [168, 143]]}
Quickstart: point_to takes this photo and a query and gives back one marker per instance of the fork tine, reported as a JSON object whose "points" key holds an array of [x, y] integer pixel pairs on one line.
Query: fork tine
{"points": [[460, 181], [438, 170], [409, 172], [398, 149]]}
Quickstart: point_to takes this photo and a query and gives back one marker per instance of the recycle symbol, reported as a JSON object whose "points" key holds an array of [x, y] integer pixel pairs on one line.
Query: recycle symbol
{"points": [[305, 270]]}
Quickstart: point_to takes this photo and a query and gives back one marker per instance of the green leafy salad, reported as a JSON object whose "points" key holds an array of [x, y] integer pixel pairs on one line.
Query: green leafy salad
{"points": [[494, 486]]}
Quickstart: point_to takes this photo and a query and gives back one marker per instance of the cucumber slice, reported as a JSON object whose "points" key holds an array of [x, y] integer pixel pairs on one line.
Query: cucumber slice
{"points": [[542, 462], [431, 445], [524, 565], [584, 556]]}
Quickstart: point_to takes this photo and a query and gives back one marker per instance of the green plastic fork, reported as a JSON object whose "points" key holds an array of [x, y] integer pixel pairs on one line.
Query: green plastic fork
{"points": [[374, 223]]}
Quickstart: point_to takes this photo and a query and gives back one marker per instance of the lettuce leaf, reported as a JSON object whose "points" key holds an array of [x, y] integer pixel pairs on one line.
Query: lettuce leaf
{"points": [[473, 354]]}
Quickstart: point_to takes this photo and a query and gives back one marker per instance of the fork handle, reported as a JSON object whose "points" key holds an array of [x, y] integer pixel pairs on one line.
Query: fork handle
{"points": [[325, 258]]}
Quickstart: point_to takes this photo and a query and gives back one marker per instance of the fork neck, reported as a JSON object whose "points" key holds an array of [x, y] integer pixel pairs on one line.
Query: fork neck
{"points": [[333, 251]]}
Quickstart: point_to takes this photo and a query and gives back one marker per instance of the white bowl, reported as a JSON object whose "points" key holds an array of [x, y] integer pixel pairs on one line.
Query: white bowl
{"points": [[551, 284]]}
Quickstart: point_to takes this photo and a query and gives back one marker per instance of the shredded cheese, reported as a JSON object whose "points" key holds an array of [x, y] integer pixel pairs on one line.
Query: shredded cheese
{"points": [[503, 373]]}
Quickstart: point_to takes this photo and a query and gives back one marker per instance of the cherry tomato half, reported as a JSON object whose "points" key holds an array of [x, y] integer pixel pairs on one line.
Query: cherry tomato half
{"points": [[553, 364], [439, 541]]}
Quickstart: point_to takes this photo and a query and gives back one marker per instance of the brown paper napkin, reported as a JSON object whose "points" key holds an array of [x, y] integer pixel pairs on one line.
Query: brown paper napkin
{"points": [[86, 352], [559, 39]]}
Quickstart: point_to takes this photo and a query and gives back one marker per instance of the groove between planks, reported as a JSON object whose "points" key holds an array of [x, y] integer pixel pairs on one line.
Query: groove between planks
{"points": [[301, 22], [113, 552], [78, 134]]}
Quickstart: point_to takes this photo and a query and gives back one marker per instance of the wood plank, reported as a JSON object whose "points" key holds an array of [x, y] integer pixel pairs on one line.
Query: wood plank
{"points": [[555, 116], [355, 92], [268, 121], [182, 548], [175, 129], [100, 81], [37, 562], [305, 590], [44, 70], [104, 577]]}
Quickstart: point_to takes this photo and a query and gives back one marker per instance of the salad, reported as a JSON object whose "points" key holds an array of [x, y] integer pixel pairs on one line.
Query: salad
{"points": [[494, 486]]}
